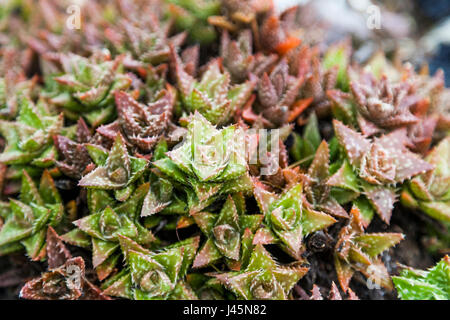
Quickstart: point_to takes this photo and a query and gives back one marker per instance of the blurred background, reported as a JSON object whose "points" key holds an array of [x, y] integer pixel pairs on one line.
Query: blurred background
{"points": [[413, 30]]}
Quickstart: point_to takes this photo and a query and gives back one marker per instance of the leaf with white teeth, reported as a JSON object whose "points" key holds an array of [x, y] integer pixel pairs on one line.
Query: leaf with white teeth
{"points": [[359, 251]]}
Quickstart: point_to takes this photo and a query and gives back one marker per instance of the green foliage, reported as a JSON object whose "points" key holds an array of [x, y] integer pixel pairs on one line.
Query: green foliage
{"points": [[305, 146], [86, 87], [208, 164], [27, 219], [140, 139], [430, 192], [433, 284], [192, 16], [212, 96]]}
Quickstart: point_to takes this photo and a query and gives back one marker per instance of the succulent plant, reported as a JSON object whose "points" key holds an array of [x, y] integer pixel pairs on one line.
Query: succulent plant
{"points": [[433, 284], [268, 160], [262, 278], [111, 215], [225, 231], [192, 16], [430, 192], [321, 76], [208, 163], [115, 170], [27, 219], [65, 279], [277, 93], [381, 105], [142, 34], [287, 219], [13, 83], [110, 219], [49, 33], [115, 198], [238, 57], [178, 165], [374, 167], [359, 251], [142, 125], [154, 275], [334, 293], [317, 191], [54, 285], [87, 85], [432, 94], [73, 155], [304, 146], [212, 96], [29, 138]]}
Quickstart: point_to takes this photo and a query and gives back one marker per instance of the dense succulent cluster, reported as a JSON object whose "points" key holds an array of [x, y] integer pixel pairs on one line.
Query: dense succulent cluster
{"points": [[182, 175]]}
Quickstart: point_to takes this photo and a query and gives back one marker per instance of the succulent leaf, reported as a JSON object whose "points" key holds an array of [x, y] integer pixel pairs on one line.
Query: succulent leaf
{"points": [[212, 96], [288, 219], [432, 284], [225, 233], [119, 170], [209, 162], [86, 87], [29, 218], [358, 251], [429, 192], [379, 164], [263, 278]]}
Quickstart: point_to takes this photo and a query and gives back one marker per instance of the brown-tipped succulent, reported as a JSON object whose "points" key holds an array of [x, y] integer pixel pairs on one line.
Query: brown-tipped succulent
{"points": [[142, 126], [142, 35], [373, 167], [65, 279], [115, 170], [238, 57], [382, 106], [213, 96], [359, 251], [321, 76], [73, 155], [277, 94], [50, 32]]}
